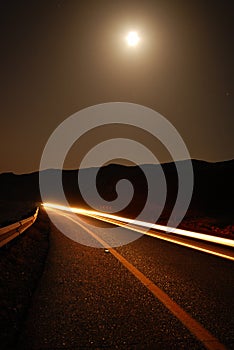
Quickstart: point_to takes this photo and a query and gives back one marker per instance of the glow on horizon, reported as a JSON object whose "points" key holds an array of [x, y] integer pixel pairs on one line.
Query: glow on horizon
{"points": [[148, 225]]}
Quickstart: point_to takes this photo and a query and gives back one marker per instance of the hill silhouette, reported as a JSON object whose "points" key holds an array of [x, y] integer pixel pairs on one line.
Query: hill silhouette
{"points": [[212, 196]]}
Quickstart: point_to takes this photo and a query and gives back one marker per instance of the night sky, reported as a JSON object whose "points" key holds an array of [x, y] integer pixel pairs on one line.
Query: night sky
{"points": [[58, 57]]}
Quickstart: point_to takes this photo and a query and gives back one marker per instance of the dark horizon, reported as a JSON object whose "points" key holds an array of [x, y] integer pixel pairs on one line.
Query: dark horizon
{"points": [[120, 164]]}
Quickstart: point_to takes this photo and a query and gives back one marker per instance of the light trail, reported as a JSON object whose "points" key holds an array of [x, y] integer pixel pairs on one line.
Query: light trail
{"points": [[143, 224], [205, 337]]}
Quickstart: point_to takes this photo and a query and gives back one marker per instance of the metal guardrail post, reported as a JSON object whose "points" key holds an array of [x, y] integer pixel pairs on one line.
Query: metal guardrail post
{"points": [[8, 233]]}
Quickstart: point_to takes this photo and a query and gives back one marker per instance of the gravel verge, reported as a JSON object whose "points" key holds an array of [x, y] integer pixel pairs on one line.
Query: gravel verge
{"points": [[21, 264]]}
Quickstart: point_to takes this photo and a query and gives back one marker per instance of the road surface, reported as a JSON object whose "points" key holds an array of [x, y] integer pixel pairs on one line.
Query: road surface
{"points": [[148, 294]]}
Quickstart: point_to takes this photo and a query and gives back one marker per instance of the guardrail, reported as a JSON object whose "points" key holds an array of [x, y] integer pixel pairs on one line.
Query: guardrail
{"points": [[8, 233]]}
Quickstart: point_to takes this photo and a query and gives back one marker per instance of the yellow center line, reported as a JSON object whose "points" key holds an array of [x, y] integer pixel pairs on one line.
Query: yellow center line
{"points": [[203, 335]]}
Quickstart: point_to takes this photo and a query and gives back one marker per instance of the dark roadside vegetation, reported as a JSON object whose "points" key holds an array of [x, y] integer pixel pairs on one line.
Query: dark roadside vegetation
{"points": [[13, 211], [21, 264]]}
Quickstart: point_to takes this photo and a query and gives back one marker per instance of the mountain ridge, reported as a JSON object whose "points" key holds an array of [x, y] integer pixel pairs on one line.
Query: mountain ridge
{"points": [[213, 186]]}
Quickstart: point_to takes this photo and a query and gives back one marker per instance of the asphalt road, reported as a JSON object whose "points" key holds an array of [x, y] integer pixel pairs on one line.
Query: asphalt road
{"points": [[87, 298]]}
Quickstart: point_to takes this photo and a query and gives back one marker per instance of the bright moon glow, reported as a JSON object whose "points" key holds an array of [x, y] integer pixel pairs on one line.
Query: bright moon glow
{"points": [[132, 38]]}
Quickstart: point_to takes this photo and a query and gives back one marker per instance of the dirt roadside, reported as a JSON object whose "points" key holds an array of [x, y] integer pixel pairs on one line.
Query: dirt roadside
{"points": [[21, 265]]}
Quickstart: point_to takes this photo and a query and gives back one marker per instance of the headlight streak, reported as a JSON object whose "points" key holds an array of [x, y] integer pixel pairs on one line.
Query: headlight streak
{"points": [[109, 217]]}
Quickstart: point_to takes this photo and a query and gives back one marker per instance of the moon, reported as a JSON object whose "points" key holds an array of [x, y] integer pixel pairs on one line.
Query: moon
{"points": [[133, 38]]}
